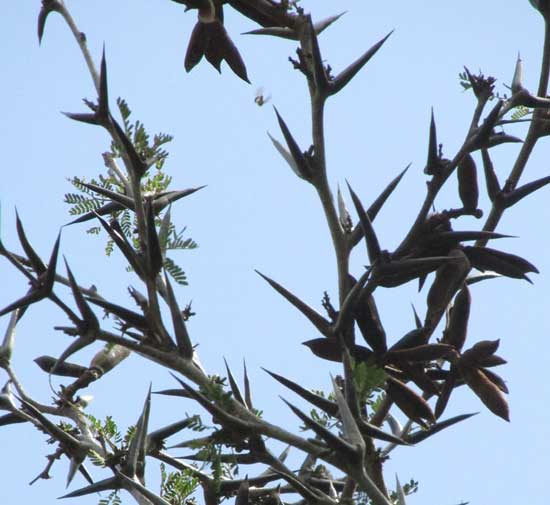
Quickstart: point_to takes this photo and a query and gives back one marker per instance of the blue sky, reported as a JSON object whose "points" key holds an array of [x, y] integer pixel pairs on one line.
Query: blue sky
{"points": [[255, 214]]}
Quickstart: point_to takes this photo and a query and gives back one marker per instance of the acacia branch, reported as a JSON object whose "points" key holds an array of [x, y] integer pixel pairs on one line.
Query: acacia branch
{"points": [[531, 139]]}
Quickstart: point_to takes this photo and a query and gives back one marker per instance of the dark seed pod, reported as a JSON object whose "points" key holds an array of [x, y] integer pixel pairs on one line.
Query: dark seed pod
{"points": [[457, 328], [197, 45], [496, 379], [412, 405], [479, 352], [331, 350], [491, 361], [210, 39], [413, 338], [448, 279], [108, 358], [325, 348], [415, 372], [467, 182], [47, 363], [368, 320], [487, 391], [419, 354]]}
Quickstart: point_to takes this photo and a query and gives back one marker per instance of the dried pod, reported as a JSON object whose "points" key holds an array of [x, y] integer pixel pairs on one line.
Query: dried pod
{"points": [[457, 327], [467, 182], [413, 338], [448, 279], [109, 357], [331, 349], [368, 320], [496, 379], [491, 361], [412, 405], [48, 363], [479, 352], [415, 372], [210, 39], [487, 391], [419, 354]]}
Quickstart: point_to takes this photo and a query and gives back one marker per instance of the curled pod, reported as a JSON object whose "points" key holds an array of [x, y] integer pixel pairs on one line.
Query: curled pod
{"points": [[467, 182], [412, 405], [457, 327], [487, 391], [479, 352], [448, 279]]}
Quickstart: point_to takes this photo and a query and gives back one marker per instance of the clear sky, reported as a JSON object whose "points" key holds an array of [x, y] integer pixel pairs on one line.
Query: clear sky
{"points": [[255, 214]]}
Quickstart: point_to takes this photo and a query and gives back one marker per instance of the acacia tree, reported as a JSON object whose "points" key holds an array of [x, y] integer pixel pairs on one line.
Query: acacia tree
{"points": [[416, 374]]}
